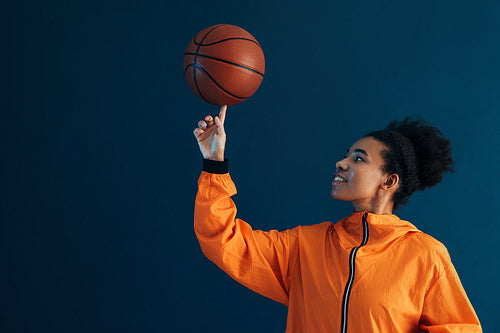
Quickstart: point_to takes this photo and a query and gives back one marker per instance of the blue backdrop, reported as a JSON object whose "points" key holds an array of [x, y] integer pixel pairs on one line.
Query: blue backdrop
{"points": [[100, 166]]}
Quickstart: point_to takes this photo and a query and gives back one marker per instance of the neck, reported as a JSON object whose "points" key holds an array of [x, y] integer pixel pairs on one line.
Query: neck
{"points": [[381, 208]]}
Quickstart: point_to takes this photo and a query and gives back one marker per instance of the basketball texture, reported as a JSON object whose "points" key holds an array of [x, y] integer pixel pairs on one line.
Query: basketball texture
{"points": [[224, 64]]}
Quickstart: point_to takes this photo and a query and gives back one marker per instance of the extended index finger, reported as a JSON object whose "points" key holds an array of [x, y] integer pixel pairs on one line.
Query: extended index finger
{"points": [[222, 113]]}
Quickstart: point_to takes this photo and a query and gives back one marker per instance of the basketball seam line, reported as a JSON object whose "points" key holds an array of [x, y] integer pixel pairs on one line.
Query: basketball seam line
{"points": [[226, 61], [218, 85], [223, 40], [215, 27], [194, 62]]}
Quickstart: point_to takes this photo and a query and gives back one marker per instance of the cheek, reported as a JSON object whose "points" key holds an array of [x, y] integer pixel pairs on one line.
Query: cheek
{"points": [[367, 182]]}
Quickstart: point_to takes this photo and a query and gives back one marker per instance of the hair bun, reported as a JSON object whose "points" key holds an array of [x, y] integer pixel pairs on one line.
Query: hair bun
{"points": [[432, 149]]}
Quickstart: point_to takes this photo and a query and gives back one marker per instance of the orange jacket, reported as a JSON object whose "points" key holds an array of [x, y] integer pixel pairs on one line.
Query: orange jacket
{"points": [[366, 273]]}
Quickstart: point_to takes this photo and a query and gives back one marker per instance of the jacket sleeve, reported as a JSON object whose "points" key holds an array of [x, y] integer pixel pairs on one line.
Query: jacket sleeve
{"points": [[446, 306], [257, 259]]}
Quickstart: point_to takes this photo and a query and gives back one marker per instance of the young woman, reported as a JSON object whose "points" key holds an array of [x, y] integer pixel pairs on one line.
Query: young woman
{"points": [[369, 272]]}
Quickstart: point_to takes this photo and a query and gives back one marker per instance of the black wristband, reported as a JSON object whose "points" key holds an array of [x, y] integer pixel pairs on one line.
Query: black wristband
{"points": [[219, 167]]}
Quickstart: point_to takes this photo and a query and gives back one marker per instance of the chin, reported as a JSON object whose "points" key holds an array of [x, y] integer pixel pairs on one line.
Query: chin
{"points": [[336, 197]]}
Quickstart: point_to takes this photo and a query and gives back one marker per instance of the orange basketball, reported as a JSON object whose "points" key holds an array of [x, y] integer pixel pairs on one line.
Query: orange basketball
{"points": [[224, 64]]}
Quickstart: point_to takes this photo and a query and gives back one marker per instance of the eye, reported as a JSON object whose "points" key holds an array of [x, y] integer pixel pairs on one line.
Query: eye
{"points": [[356, 158]]}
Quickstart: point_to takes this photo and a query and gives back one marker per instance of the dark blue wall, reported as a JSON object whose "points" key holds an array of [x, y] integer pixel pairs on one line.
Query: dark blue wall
{"points": [[99, 164]]}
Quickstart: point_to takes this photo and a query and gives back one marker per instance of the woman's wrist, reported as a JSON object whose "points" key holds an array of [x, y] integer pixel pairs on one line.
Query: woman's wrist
{"points": [[219, 158]]}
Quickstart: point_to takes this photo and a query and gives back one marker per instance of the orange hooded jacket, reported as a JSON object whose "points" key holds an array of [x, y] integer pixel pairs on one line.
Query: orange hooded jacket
{"points": [[366, 273]]}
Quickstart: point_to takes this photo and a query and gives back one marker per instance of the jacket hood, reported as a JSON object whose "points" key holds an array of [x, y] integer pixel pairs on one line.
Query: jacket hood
{"points": [[383, 231]]}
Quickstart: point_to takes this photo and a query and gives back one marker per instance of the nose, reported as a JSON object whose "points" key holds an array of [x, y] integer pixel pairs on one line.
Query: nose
{"points": [[341, 165]]}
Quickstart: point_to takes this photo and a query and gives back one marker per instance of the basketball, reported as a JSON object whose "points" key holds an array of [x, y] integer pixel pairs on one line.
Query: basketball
{"points": [[224, 64]]}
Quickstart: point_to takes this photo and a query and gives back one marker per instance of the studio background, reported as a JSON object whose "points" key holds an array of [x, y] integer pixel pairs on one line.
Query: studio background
{"points": [[99, 163]]}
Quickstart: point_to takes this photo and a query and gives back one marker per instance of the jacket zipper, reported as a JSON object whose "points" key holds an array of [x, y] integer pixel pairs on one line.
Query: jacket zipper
{"points": [[347, 290]]}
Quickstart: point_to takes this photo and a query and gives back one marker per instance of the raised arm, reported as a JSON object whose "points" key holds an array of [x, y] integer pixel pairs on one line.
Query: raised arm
{"points": [[259, 260]]}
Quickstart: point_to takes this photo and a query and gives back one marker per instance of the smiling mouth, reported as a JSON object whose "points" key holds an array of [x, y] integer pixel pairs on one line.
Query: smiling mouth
{"points": [[338, 180]]}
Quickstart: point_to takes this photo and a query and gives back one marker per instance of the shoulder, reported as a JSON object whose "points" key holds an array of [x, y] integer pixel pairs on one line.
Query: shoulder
{"points": [[429, 248], [319, 228], [312, 231], [301, 230], [426, 241]]}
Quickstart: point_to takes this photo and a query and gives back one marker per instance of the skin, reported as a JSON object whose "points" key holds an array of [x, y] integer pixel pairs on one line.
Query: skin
{"points": [[211, 136], [368, 188]]}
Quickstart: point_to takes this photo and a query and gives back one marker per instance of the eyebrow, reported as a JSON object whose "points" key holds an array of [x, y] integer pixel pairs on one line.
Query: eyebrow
{"points": [[362, 151]]}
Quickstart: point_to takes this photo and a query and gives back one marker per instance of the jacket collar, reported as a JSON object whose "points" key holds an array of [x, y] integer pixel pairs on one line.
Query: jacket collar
{"points": [[383, 230]]}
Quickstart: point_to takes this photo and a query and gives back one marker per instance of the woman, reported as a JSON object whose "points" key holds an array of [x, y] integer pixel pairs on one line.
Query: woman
{"points": [[369, 272]]}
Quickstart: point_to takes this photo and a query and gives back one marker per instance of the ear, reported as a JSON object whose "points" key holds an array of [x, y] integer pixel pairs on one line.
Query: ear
{"points": [[391, 182]]}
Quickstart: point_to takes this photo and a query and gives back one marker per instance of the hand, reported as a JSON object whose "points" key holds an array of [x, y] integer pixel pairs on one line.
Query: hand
{"points": [[211, 136]]}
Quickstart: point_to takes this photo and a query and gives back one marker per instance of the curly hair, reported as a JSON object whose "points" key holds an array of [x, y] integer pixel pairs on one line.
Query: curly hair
{"points": [[417, 152]]}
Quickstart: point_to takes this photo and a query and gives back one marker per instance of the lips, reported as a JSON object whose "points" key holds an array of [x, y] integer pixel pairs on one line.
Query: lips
{"points": [[337, 178]]}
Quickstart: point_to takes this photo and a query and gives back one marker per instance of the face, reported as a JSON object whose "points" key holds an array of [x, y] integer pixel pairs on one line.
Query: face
{"points": [[362, 170]]}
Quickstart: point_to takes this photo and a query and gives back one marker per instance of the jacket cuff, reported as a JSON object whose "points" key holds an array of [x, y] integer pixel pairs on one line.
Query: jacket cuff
{"points": [[219, 167]]}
